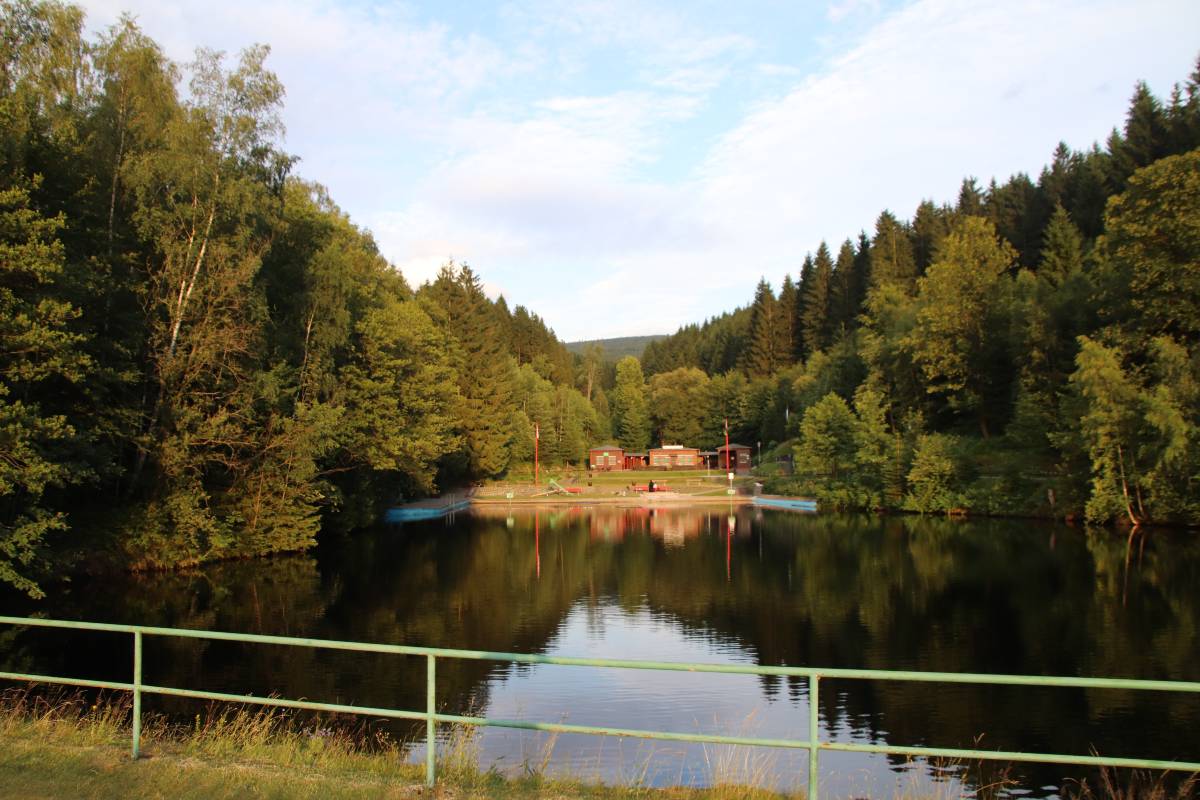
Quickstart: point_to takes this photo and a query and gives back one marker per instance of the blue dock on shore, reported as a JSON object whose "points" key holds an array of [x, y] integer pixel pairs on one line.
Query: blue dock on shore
{"points": [[787, 503], [426, 509]]}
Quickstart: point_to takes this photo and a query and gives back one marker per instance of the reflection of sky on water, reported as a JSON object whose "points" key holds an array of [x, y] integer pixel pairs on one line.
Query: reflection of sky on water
{"points": [[668, 701]]}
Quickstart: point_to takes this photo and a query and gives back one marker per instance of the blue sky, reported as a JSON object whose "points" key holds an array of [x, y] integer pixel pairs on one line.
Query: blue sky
{"points": [[623, 167]]}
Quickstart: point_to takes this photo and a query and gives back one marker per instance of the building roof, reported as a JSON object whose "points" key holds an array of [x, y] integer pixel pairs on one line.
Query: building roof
{"points": [[734, 446], [607, 447]]}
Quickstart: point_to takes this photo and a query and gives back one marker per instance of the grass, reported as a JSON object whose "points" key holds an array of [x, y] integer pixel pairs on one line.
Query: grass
{"points": [[696, 483], [65, 745]]}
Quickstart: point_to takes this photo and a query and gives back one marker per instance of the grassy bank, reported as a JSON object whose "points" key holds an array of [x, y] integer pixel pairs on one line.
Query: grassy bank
{"points": [[69, 746], [688, 484]]}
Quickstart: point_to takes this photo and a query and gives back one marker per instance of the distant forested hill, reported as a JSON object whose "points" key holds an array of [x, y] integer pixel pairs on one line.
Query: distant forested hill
{"points": [[617, 348]]}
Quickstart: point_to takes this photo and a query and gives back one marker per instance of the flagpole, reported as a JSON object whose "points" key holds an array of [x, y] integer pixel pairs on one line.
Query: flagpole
{"points": [[727, 444], [536, 437]]}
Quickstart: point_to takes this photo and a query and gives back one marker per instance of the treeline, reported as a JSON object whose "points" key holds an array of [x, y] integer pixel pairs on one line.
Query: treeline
{"points": [[200, 354], [1032, 348]]}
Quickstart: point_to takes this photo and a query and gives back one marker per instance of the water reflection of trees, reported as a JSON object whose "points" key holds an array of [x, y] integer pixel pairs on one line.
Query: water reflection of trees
{"points": [[852, 591]]}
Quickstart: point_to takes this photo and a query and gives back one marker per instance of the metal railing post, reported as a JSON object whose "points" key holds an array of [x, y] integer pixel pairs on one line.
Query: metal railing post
{"points": [[814, 733], [430, 722], [137, 693]]}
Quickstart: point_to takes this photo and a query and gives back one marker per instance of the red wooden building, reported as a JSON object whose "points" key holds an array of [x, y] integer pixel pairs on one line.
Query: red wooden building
{"points": [[675, 456], [606, 458], [738, 458]]}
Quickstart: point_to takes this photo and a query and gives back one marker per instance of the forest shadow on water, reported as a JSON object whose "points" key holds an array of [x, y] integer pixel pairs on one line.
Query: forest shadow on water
{"points": [[745, 586]]}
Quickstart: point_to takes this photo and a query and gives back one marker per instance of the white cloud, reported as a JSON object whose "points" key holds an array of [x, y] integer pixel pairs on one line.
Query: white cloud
{"points": [[838, 11], [931, 94], [934, 93], [521, 151], [362, 80]]}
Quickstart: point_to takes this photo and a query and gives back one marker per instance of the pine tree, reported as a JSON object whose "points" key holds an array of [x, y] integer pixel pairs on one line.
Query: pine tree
{"points": [[970, 199], [1145, 138], [844, 295], [786, 329], [818, 329], [485, 375], [630, 412], [1016, 211], [761, 357], [799, 338], [862, 272], [38, 355], [892, 259], [1062, 249]]}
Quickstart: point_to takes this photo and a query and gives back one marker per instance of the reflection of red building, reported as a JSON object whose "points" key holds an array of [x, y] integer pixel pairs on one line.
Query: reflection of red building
{"points": [[611, 525], [674, 526]]}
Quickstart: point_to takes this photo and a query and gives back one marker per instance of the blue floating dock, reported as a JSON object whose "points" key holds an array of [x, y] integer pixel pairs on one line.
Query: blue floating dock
{"points": [[422, 511], [786, 503]]}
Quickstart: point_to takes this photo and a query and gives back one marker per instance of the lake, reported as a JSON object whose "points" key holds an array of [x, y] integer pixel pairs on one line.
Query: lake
{"points": [[773, 587]]}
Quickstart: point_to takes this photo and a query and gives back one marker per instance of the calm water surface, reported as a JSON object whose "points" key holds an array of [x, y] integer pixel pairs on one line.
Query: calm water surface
{"points": [[677, 584]]}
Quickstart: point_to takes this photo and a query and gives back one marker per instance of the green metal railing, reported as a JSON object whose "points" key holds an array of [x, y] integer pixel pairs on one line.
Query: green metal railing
{"points": [[813, 744]]}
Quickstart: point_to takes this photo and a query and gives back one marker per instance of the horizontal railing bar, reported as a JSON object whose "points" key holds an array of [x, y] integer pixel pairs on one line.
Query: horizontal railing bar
{"points": [[83, 682], [673, 666], [112, 627], [280, 702], [634, 733], [1002, 755]]}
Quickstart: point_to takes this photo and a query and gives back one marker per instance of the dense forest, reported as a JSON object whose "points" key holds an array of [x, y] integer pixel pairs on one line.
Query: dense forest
{"points": [[200, 354], [1033, 348], [203, 357]]}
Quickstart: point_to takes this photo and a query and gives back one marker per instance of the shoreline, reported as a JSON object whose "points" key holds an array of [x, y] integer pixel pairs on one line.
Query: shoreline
{"points": [[630, 501]]}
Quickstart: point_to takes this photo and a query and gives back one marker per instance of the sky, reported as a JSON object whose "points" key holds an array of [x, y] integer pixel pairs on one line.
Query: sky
{"points": [[624, 167]]}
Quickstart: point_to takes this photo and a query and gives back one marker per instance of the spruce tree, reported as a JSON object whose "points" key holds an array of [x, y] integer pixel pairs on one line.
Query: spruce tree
{"points": [[892, 259], [630, 412], [844, 295], [799, 339], [761, 357], [786, 329], [39, 355], [485, 375], [1062, 249], [818, 292], [970, 199], [862, 272], [1145, 138]]}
